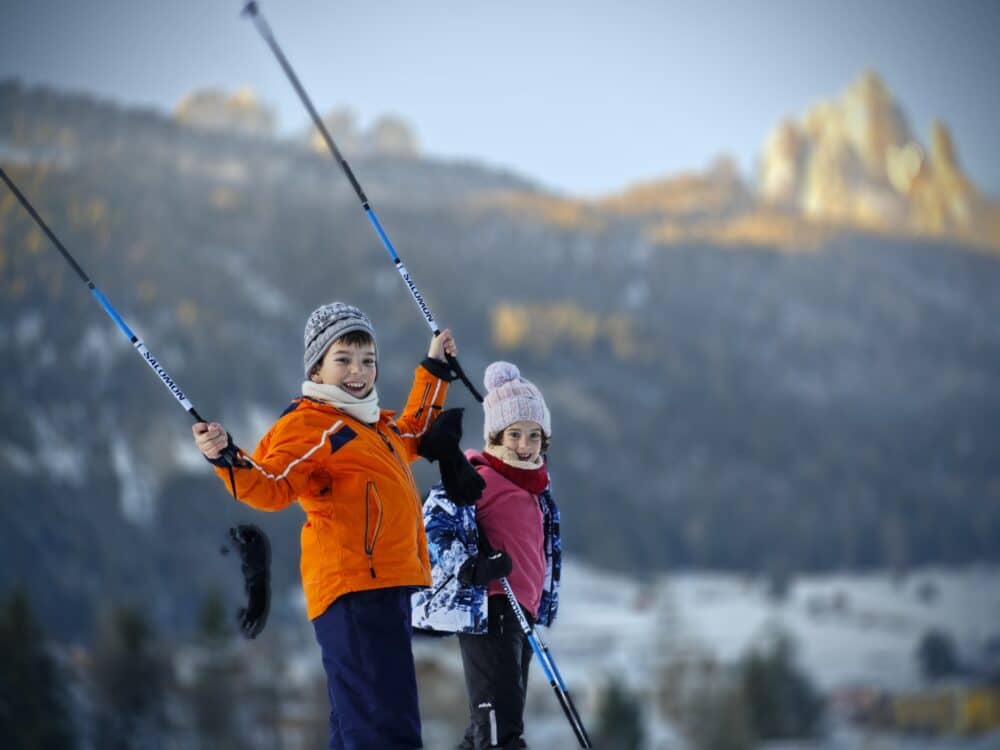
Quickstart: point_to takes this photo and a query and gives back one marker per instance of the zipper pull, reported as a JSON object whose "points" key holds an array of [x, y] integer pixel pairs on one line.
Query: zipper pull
{"points": [[385, 440]]}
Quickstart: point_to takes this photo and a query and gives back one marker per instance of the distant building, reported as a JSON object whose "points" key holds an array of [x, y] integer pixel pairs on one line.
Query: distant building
{"points": [[955, 709], [944, 709]]}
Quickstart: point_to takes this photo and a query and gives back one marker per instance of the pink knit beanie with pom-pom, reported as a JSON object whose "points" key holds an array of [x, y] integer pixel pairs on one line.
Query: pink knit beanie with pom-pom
{"points": [[510, 398]]}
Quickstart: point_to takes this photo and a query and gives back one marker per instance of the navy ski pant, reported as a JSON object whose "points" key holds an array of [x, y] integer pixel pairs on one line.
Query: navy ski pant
{"points": [[368, 658]]}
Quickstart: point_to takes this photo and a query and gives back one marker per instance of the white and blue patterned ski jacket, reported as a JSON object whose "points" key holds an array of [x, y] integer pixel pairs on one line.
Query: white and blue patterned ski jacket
{"points": [[452, 538]]}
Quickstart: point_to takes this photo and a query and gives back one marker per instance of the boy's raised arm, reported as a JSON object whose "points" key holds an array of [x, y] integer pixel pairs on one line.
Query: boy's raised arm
{"points": [[427, 395]]}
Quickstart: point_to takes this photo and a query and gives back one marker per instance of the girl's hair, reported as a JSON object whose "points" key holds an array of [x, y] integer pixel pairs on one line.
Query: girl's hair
{"points": [[351, 338], [497, 439]]}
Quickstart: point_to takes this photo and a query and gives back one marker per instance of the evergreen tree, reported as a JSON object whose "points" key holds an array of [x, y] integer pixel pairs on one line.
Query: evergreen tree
{"points": [[214, 626], [214, 693], [34, 712], [716, 718], [131, 679], [619, 720], [937, 655], [782, 702]]}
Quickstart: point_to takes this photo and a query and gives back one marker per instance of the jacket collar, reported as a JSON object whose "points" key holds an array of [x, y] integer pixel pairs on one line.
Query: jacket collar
{"points": [[385, 415]]}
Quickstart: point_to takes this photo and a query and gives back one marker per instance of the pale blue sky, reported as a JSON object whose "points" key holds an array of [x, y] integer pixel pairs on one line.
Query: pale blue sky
{"points": [[583, 96]]}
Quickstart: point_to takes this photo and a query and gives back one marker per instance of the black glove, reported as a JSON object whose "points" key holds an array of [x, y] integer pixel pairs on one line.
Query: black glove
{"points": [[255, 553], [440, 443], [483, 568]]}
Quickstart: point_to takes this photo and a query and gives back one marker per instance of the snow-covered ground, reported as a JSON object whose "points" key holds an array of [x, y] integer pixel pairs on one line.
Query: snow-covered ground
{"points": [[848, 628]]}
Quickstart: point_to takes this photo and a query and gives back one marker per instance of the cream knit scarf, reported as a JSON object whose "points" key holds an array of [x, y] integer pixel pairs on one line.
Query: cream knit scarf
{"points": [[510, 458], [364, 409]]}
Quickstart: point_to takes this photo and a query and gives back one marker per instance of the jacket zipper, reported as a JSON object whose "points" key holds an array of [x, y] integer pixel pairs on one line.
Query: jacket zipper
{"points": [[409, 478], [423, 402], [370, 547], [404, 467]]}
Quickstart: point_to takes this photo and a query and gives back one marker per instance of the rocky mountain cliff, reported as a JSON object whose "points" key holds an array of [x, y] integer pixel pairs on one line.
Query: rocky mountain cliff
{"points": [[854, 160], [849, 164]]}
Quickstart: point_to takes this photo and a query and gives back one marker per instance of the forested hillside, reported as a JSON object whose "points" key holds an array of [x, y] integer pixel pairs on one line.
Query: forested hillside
{"points": [[825, 401]]}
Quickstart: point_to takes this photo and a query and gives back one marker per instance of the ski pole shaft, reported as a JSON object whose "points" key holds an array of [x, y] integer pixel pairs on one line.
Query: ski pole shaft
{"points": [[252, 10], [135, 341], [552, 663], [550, 669]]}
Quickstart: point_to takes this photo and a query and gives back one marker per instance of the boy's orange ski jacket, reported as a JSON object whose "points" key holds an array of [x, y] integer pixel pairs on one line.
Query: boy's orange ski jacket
{"points": [[364, 525]]}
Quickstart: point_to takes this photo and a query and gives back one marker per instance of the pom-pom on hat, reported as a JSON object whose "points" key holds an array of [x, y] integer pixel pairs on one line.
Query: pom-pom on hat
{"points": [[510, 398], [329, 323]]}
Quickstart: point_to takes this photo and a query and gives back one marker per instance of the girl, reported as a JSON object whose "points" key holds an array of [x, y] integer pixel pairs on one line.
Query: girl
{"points": [[512, 531]]}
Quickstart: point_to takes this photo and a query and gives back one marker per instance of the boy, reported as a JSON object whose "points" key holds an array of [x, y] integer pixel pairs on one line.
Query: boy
{"points": [[364, 550]]}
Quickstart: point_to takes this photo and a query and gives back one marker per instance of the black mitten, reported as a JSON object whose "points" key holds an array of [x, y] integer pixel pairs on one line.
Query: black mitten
{"points": [[483, 568], [442, 438], [440, 443], [461, 481], [255, 554]]}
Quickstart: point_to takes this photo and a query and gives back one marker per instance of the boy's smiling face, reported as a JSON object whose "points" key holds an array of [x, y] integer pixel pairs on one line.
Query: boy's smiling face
{"points": [[525, 439], [350, 367]]}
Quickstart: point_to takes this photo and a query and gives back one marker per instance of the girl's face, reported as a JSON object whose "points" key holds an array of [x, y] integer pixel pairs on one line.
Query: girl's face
{"points": [[348, 366], [525, 439]]}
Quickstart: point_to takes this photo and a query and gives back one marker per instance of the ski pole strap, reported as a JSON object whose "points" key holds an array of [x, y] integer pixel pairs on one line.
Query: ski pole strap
{"points": [[457, 369]]}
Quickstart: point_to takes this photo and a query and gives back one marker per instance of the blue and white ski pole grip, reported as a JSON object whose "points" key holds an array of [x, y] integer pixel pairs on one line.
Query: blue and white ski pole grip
{"points": [[229, 454], [252, 11]]}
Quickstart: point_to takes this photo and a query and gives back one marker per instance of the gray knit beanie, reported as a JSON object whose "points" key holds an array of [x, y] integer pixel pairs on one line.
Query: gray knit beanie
{"points": [[510, 398], [329, 323]]}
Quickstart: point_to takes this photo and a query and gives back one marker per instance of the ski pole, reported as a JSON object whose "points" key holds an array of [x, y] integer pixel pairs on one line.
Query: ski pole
{"points": [[249, 539], [550, 669], [252, 10], [542, 645], [171, 385], [544, 658]]}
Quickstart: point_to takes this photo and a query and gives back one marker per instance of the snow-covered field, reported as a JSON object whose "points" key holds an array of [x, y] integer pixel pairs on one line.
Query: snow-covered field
{"points": [[849, 630]]}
